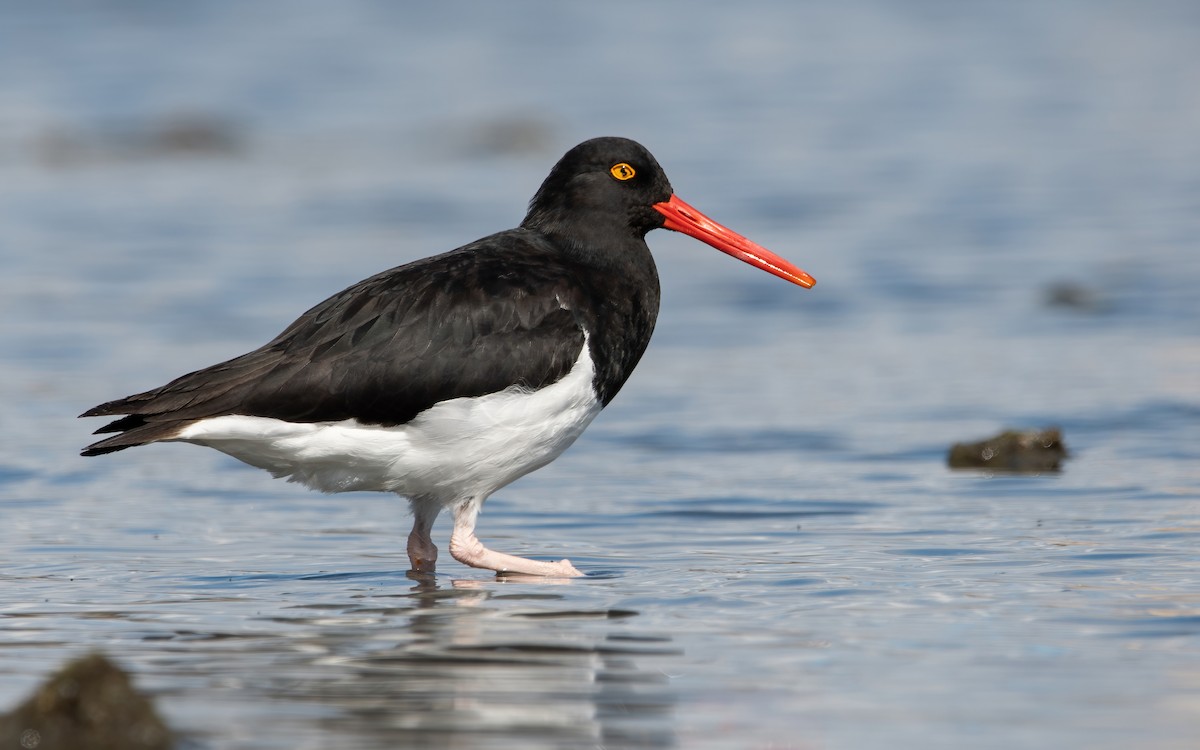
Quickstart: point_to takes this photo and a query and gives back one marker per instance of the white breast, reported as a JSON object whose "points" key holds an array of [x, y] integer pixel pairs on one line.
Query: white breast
{"points": [[464, 447]]}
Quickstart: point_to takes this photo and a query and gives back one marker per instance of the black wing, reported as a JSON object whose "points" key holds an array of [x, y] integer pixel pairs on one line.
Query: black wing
{"points": [[500, 312]]}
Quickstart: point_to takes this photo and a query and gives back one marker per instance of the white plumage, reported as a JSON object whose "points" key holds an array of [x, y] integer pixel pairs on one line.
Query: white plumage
{"points": [[459, 449]]}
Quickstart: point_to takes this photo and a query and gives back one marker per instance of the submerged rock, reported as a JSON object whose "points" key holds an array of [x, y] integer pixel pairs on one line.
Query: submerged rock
{"points": [[180, 135], [89, 703], [1070, 295], [1027, 452]]}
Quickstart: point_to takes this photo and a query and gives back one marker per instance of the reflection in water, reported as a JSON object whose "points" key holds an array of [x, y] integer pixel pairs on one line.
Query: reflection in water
{"points": [[479, 667]]}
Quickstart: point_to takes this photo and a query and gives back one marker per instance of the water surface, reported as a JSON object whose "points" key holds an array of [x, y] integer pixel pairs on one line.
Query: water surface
{"points": [[778, 556]]}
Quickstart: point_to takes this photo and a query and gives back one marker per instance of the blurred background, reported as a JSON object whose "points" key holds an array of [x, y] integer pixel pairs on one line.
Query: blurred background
{"points": [[1000, 202]]}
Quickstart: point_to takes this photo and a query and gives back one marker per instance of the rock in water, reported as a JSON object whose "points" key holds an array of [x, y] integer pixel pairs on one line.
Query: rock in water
{"points": [[89, 704], [1022, 452]]}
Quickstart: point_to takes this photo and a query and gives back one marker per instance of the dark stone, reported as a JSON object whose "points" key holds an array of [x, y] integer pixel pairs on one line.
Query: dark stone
{"points": [[88, 704], [1023, 452], [1069, 295]]}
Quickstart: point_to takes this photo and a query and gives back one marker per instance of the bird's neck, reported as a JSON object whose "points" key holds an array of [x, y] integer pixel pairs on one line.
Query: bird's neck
{"points": [[599, 244]]}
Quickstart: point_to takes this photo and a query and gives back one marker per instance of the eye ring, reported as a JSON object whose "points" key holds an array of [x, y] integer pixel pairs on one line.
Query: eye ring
{"points": [[622, 171]]}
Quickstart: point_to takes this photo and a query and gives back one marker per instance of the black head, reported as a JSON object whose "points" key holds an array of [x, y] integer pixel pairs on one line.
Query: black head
{"points": [[606, 193], [604, 184]]}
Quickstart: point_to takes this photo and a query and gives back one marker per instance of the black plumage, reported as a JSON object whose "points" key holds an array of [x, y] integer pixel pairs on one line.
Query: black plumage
{"points": [[508, 310]]}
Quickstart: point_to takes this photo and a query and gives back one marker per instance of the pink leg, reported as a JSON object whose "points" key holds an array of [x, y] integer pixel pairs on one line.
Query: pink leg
{"points": [[422, 552], [468, 550]]}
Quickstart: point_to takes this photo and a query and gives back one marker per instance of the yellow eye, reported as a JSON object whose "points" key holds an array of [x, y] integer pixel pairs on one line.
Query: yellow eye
{"points": [[623, 171]]}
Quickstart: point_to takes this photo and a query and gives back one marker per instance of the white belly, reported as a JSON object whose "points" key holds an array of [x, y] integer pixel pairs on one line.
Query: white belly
{"points": [[457, 449]]}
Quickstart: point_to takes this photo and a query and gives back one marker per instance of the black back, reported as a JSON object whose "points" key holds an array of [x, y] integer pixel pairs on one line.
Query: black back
{"points": [[511, 309]]}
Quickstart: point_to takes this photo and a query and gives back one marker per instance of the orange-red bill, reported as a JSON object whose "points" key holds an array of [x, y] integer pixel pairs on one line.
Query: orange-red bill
{"points": [[683, 218]]}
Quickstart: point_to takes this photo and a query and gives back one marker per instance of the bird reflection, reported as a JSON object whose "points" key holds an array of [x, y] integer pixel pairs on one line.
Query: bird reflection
{"points": [[495, 664]]}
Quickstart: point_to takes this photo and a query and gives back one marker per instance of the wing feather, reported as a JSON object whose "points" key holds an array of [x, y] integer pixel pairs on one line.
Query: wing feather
{"points": [[497, 313]]}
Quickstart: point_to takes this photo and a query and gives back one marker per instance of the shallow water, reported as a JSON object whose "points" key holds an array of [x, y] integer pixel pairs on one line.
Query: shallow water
{"points": [[777, 554]]}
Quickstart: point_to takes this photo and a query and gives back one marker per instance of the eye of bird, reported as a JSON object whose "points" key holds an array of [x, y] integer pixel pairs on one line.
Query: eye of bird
{"points": [[622, 171]]}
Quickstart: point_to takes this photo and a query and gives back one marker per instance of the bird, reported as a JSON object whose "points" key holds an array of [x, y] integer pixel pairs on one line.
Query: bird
{"points": [[447, 378]]}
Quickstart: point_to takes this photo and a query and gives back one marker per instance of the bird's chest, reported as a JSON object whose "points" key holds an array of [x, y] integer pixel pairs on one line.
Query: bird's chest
{"points": [[619, 332]]}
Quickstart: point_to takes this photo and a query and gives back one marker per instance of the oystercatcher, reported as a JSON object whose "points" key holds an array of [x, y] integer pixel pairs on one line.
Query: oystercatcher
{"points": [[445, 379]]}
